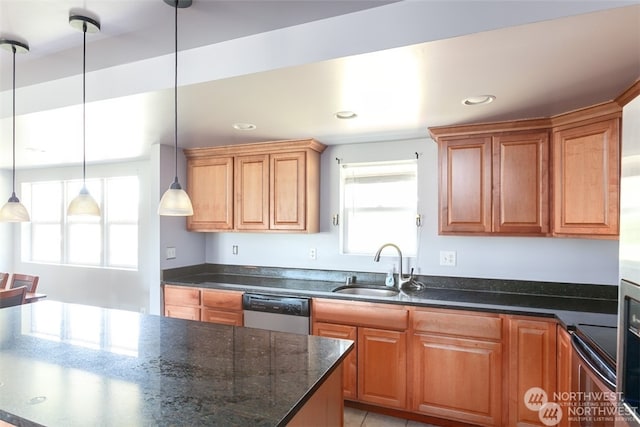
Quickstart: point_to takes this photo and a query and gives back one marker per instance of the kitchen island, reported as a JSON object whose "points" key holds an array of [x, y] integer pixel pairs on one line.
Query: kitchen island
{"points": [[73, 365]]}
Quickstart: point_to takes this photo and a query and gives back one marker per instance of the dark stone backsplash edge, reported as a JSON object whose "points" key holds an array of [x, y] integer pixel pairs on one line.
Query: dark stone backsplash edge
{"points": [[524, 287]]}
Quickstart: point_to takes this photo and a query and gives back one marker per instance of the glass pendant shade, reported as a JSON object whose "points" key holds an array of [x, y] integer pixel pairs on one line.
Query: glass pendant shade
{"points": [[83, 205], [14, 211], [175, 202]]}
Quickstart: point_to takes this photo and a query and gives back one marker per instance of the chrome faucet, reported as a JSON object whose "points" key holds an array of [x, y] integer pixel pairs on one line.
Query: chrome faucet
{"points": [[402, 279]]}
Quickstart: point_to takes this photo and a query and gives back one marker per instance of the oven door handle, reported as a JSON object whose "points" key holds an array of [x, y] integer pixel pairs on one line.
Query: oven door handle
{"points": [[585, 355]]}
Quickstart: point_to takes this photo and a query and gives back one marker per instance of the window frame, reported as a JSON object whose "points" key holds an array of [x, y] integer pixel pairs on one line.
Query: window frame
{"points": [[409, 211], [65, 224]]}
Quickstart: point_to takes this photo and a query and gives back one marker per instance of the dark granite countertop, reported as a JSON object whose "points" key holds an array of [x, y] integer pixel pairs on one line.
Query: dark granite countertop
{"points": [[570, 304], [73, 365]]}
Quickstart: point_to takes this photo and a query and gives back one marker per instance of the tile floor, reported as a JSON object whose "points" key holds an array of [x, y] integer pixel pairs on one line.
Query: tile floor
{"points": [[358, 418]]}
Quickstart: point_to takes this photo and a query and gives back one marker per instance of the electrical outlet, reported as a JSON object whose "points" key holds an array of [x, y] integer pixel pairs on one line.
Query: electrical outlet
{"points": [[234, 249], [171, 253], [448, 258], [312, 253]]}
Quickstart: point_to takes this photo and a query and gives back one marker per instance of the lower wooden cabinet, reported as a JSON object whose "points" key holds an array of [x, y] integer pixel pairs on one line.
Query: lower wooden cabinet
{"points": [[563, 363], [457, 366], [532, 363], [350, 364], [382, 367], [224, 307], [207, 305], [463, 366], [376, 371], [182, 302]]}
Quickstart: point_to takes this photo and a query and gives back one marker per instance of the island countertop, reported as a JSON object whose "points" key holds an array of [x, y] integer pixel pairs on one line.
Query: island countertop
{"points": [[74, 365]]}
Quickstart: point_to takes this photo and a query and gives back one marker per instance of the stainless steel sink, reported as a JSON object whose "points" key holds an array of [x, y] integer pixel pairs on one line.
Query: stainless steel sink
{"points": [[367, 290]]}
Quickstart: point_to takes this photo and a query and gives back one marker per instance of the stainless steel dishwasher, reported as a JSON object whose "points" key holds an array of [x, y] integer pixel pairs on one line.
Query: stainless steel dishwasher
{"points": [[276, 313]]}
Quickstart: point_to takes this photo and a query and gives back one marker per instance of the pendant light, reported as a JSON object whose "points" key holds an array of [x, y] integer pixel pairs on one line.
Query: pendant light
{"points": [[175, 201], [13, 210], [83, 204]]}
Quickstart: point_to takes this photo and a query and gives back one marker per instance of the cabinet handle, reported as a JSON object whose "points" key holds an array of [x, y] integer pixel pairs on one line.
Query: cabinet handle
{"points": [[336, 220]]}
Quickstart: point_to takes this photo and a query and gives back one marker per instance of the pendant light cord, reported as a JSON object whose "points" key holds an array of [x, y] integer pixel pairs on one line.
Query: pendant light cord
{"points": [[13, 191], [175, 95], [84, 97]]}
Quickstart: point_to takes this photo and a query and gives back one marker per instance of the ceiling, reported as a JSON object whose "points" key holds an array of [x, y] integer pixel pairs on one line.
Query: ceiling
{"points": [[288, 66]]}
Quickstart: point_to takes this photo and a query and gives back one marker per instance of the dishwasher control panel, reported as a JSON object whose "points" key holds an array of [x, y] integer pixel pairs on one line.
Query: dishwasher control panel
{"points": [[292, 306]]}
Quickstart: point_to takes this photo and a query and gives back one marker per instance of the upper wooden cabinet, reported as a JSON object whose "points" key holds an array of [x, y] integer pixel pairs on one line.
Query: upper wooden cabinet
{"points": [[586, 159], [503, 178], [270, 186], [211, 191], [494, 183]]}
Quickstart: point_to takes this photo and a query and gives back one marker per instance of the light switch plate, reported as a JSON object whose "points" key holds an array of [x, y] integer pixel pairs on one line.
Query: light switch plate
{"points": [[171, 252]]}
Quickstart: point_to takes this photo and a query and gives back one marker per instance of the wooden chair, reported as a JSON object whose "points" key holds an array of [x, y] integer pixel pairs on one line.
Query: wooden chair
{"points": [[4, 277], [31, 282], [11, 297]]}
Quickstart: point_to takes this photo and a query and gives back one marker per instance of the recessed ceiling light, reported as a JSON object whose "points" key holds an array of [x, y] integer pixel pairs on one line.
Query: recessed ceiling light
{"points": [[478, 100], [244, 126], [346, 114]]}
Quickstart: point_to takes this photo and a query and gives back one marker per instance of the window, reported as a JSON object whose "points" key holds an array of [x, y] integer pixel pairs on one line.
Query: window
{"points": [[108, 241], [379, 204]]}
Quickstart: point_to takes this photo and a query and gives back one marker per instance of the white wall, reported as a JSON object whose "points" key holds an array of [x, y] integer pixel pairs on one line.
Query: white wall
{"points": [[524, 258]]}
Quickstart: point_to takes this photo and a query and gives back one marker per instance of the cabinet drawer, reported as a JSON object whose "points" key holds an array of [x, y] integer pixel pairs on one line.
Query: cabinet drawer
{"points": [[181, 295], [384, 316], [230, 300], [233, 318], [457, 324], [181, 312]]}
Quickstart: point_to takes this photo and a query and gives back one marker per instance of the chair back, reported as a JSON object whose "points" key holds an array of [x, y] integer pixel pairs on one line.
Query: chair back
{"points": [[11, 297], [31, 282], [4, 278]]}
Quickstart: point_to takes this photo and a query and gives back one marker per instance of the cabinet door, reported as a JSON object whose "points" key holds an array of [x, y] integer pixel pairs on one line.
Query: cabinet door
{"points": [[288, 191], [532, 363], [210, 187], [465, 185], [350, 369], [521, 183], [457, 379], [252, 192], [382, 367], [564, 368], [586, 180]]}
